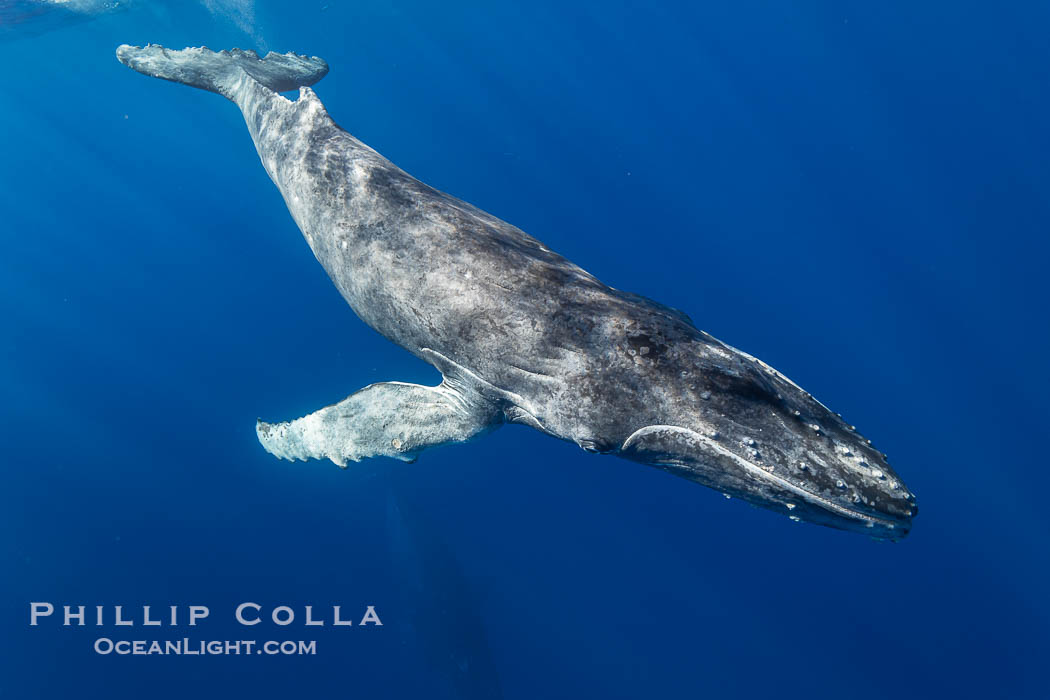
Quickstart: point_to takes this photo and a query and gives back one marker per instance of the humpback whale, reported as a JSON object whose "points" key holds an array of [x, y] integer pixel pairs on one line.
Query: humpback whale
{"points": [[519, 333]]}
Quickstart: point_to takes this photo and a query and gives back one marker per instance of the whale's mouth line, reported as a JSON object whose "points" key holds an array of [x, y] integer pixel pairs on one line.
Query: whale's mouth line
{"points": [[806, 495]]}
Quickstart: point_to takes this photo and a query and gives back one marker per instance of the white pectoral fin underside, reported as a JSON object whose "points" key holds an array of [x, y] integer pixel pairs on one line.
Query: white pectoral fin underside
{"points": [[390, 419]]}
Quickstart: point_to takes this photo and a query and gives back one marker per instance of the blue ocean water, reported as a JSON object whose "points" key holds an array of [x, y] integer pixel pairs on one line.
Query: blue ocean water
{"points": [[857, 193]]}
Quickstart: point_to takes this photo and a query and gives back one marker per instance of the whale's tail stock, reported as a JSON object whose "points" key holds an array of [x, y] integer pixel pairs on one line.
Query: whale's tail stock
{"points": [[222, 71]]}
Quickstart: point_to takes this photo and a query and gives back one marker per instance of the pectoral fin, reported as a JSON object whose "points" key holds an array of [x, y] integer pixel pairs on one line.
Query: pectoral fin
{"points": [[391, 419]]}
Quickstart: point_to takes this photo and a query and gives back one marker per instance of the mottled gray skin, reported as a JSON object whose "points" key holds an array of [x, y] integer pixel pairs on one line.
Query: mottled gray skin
{"points": [[523, 335]]}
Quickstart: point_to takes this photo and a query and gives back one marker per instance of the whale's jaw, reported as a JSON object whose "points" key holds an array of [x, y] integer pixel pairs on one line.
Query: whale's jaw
{"points": [[753, 434]]}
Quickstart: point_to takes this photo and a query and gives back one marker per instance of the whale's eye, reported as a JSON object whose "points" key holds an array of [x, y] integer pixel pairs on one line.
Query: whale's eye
{"points": [[750, 386]]}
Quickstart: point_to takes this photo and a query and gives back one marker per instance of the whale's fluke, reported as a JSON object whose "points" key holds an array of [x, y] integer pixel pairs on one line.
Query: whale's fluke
{"points": [[219, 71]]}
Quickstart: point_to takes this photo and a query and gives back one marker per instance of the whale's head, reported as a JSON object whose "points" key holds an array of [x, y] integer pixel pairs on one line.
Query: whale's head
{"points": [[741, 427]]}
